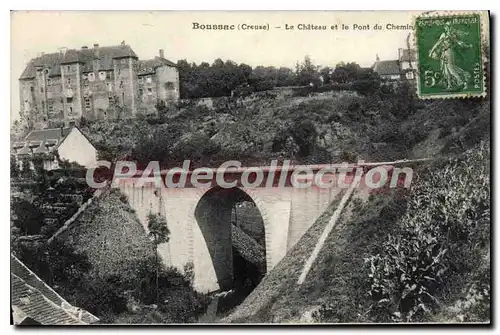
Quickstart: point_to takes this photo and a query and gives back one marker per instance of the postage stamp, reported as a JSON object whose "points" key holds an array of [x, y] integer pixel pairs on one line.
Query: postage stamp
{"points": [[450, 56]]}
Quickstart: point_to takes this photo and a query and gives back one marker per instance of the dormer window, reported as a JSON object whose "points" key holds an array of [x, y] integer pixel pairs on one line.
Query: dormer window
{"points": [[91, 76], [102, 75]]}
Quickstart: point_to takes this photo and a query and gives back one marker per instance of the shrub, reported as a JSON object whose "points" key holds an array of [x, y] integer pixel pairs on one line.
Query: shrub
{"points": [[445, 232]]}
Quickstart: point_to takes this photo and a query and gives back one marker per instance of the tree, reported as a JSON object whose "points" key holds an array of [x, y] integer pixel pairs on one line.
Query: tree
{"points": [[27, 216], [307, 72], [159, 233], [346, 72]]}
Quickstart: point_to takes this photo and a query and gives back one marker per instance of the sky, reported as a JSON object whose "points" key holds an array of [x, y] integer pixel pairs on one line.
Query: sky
{"points": [[34, 32]]}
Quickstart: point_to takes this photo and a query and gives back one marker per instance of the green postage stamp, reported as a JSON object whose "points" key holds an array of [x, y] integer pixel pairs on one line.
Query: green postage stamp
{"points": [[450, 55]]}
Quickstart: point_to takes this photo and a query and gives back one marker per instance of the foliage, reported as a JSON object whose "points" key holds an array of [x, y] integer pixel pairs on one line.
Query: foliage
{"points": [[444, 232], [58, 263], [27, 216], [14, 167], [158, 230]]}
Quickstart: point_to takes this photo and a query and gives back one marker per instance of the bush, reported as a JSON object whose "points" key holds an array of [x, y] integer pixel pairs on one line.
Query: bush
{"points": [[444, 233]]}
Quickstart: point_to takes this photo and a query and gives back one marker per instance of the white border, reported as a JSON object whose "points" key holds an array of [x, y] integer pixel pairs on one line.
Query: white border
{"points": [[197, 5]]}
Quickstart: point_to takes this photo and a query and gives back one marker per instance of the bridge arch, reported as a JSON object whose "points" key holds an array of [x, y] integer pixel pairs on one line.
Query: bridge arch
{"points": [[217, 253]]}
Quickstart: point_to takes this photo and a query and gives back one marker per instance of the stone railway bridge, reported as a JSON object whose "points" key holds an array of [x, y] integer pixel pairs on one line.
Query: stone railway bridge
{"points": [[199, 219]]}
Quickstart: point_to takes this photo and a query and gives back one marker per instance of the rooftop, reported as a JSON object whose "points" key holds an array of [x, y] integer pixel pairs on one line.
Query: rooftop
{"points": [[387, 67], [33, 299], [40, 141], [85, 56]]}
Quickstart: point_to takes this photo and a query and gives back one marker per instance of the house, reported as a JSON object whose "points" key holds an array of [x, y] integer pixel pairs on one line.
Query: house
{"points": [[94, 83], [407, 62], [403, 68], [387, 69], [33, 302], [55, 145]]}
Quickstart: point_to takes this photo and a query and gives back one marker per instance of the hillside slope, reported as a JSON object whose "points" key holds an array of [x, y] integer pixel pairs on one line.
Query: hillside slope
{"points": [[111, 236], [358, 277]]}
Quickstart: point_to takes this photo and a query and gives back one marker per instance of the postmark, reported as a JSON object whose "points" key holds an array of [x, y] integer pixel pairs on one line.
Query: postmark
{"points": [[450, 56]]}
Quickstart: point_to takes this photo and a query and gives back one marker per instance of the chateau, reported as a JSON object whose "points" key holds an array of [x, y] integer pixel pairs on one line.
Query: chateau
{"points": [[94, 83]]}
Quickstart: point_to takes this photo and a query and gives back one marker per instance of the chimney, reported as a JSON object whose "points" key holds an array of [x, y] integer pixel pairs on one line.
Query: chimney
{"points": [[378, 58], [96, 50], [162, 53], [85, 47]]}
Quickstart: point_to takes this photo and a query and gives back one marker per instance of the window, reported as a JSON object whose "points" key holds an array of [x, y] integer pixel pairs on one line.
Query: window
{"points": [[41, 89], [70, 111], [69, 100], [69, 81], [91, 76], [141, 80], [51, 106], [124, 61], [87, 103], [409, 75], [85, 76], [141, 92], [108, 75], [46, 71], [49, 82], [169, 85], [148, 79], [150, 91], [109, 87], [68, 68], [102, 75], [86, 85], [111, 100], [43, 105], [121, 84]]}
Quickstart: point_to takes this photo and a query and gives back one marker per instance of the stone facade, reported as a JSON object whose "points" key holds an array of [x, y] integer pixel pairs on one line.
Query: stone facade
{"points": [[94, 83]]}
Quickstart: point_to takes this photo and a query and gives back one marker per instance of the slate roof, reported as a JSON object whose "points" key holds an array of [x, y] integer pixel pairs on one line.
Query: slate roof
{"points": [[33, 298], [387, 67], [149, 66], [41, 141], [105, 54], [407, 55], [86, 57]]}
